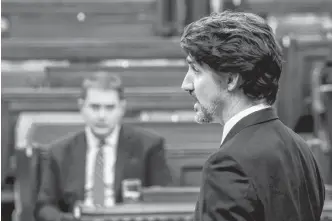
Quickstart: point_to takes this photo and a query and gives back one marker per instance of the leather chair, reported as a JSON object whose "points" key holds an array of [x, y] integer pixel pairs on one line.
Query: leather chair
{"points": [[29, 161], [5, 145]]}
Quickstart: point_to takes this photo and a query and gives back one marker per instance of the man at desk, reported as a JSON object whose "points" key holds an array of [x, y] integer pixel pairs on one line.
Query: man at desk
{"points": [[91, 165]]}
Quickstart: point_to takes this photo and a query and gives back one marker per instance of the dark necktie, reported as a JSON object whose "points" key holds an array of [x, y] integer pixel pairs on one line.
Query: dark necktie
{"points": [[99, 184]]}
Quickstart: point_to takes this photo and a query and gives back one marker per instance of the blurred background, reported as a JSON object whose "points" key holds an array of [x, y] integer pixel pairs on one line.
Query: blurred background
{"points": [[48, 46]]}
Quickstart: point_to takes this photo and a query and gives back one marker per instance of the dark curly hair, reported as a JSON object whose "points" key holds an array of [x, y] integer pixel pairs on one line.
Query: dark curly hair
{"points": [[237, 42]]}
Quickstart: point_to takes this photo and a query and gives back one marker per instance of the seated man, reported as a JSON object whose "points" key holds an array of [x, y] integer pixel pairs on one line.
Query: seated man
{"points": [[90, 166]]}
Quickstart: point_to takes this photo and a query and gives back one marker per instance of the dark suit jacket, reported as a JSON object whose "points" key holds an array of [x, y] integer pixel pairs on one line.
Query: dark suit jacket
{"points": [[139, 155], [263, 172]]}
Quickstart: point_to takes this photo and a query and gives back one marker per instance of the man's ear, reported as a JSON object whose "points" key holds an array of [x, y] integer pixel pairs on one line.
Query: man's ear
{"points": [[123, 109], [233, 81], [123, 104]]}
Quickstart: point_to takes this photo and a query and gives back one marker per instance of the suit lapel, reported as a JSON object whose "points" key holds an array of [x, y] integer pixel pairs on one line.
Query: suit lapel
{"points": [[123, 149], [76, 167], [257, 117]]}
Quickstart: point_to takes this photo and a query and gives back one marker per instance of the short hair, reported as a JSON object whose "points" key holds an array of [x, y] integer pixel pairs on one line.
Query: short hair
{"points": [[102, 80], [237, 42]]}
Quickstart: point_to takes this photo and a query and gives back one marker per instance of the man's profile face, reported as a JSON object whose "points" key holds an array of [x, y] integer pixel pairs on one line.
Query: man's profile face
{"points": [[207, 92], [102, 110]]}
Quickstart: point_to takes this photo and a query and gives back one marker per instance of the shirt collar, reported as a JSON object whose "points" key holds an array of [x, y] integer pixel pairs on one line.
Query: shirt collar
{"points": [[110, 140], [237, 117]]}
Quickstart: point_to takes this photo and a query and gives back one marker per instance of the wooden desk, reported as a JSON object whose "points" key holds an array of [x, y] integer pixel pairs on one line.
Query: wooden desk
{"points": [[142, 211], [179, 209], [154, 212]]}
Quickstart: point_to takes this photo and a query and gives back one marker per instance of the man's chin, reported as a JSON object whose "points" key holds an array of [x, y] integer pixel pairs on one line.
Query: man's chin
{"points": [[202, 118]]}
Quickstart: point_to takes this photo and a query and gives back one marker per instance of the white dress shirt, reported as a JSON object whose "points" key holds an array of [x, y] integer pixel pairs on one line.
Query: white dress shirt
{"points": [[237, 117], [109, 149]]}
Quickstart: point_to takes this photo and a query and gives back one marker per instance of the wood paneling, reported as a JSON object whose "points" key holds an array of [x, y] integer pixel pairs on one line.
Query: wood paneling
{"points": [[167, 76], [52, 26], [79, 19], [289, 6], [13, 79], [82, 30], [91, 49], [294, 82], [65, 99], [74, 6], [73, 75]]}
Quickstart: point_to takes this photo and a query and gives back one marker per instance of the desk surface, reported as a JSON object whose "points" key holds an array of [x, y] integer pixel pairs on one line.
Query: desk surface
{"points": [[157, 211], [143, 209], [138, 212]]}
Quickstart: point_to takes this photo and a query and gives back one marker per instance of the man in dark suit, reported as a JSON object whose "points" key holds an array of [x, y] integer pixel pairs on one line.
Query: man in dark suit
{"points": [[91, 165], [263, 171]]}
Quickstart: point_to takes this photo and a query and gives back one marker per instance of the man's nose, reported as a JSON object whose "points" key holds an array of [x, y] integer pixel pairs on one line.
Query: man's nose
{"points": [[187, 84], [102, 113]]}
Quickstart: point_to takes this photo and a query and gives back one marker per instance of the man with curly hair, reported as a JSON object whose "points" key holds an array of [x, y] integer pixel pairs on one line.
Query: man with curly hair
{"points": [[263, 171]]}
